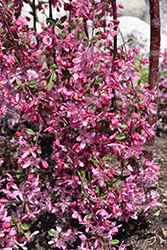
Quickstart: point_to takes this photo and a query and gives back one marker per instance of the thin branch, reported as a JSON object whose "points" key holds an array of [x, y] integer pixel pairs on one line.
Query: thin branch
{"points": [[50, 9], [34, 14], [115, 28], [113, 103]]}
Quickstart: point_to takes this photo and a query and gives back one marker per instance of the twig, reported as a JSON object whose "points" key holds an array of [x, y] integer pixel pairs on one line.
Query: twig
{"points": [[154, 240]]}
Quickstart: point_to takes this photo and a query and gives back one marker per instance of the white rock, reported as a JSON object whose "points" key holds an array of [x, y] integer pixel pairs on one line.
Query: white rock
{"points": [[136, 8], [163, 11], [139, 31]]}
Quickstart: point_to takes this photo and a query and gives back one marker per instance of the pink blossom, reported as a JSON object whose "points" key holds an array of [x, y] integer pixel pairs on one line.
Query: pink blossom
{"points": [[9, 60], [45, 164], [32, 75], [129, 207]]}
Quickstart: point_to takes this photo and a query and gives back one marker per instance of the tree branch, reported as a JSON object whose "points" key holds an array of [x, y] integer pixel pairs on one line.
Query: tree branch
{"points": [[153, 69]]}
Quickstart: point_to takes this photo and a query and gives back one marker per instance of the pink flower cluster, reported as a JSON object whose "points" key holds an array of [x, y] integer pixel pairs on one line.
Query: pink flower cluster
{"points": [[62, 86]]}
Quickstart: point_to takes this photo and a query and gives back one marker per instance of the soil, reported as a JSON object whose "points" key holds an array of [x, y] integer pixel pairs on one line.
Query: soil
{"points": [[148, 232]]}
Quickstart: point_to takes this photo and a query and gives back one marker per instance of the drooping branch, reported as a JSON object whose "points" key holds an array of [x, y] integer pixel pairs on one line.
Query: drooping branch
{"points": [[34, 14], [50, 9], [153, 69], [115, 28]]}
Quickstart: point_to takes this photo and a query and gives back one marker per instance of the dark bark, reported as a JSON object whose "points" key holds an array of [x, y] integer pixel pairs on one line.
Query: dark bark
{"points": [[34, 14], [115, 37], [113, 103], [153, 69], [50, 9]]}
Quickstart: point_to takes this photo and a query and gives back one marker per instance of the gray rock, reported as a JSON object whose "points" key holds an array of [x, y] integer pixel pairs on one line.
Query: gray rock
{"points": [[136, 8], [139, 31]]}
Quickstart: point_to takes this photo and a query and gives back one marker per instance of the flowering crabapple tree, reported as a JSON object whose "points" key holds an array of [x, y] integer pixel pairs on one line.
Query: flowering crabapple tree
{"points": [[70, 85]]}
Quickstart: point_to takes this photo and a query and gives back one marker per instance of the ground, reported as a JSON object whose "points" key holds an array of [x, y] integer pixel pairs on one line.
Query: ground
{"points": [[148, 232]]}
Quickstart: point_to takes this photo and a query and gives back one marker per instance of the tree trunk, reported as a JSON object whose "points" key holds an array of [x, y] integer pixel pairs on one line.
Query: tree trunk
{"points": [[153, 69]]}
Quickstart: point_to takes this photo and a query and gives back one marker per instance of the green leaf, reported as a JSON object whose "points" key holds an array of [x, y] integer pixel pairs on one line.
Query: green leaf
{"points": [[157, 213], [95, 163], [33, 84], [64, 220], [124, 126], [165, 73], [16, 87], [27, 235], [25, 227], [98, 67], [89, 216], [60, 26], [104, 237], [120, 136], [18, 174], [100, 240], [63, 35], [96, 189], [99, 79], [114, 241], [51, 20], [29, 131], [10, 4], [95, 38], [130, 41], [16, 154], [85, 37], [52, 233], [104, 159], [117, 182], [13, 221], [39, 151], [16, 60], [24, 186], [123, 53], [103, 195], [35, 137]]}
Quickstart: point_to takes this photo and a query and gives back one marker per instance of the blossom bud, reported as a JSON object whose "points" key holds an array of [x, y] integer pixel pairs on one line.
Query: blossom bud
{"points": [[49, 47], [69, 57], [30, 177], [26, 219], [30, 60], [1, 55], [103, 35], [18, 133], [120, 6], [73, 204], [76, 178], [7, 225], [45, 164], [13, 28], [129, 123]]}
